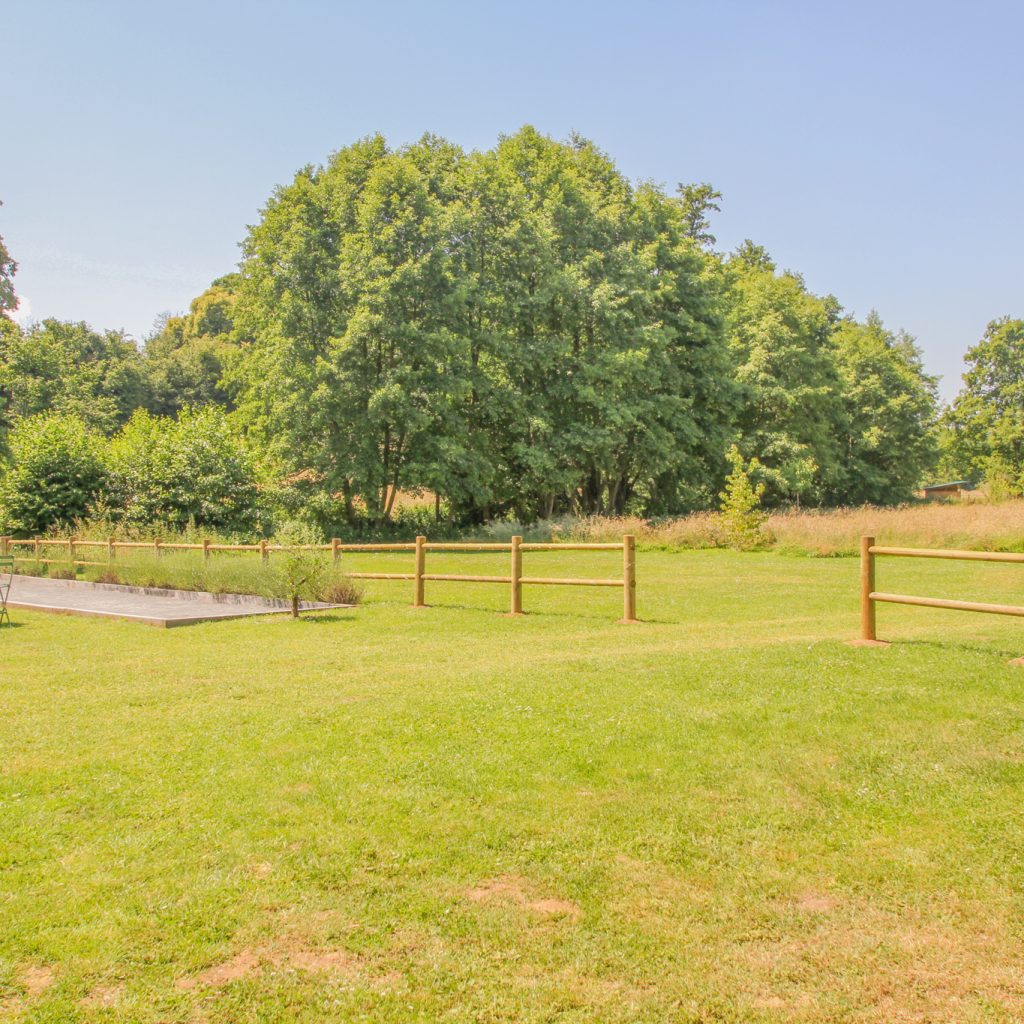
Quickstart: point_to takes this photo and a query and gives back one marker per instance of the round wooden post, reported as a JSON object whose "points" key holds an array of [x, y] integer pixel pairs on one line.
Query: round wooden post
{"points": [[336, 549], [156, 546], [5, 545], [867, 586], [35, 548], [517, 577], [111, 550], [206, 549], [71, 551], [264, 553], [421, 562], [629, 578]]}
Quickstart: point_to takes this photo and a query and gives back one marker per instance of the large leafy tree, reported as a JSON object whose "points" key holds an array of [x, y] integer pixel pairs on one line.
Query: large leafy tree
{"points": [[517, 330], [350, 292], [780, 338], [984, 428], [887, 434]]}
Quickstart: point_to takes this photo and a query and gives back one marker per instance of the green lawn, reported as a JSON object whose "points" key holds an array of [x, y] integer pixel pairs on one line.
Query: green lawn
{"points": [[720, 814]]}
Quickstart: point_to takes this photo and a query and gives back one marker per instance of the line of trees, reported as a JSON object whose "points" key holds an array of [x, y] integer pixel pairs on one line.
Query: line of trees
{"points": [[520, 332]]}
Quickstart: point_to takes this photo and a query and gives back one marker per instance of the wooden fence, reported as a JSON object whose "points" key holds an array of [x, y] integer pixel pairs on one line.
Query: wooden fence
{"points": [[419, 576], [869, 597]]}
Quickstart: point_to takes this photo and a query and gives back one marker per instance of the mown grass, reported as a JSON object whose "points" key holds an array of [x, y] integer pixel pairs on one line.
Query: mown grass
{"points": [[721, 814]]}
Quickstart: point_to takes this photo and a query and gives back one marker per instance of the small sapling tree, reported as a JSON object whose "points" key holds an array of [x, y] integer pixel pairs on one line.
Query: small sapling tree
{"points": [[742, 514], [301, 572]]}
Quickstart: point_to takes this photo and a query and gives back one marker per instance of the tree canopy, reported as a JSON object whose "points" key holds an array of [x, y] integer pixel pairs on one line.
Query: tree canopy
{"points": [[520, 332]]}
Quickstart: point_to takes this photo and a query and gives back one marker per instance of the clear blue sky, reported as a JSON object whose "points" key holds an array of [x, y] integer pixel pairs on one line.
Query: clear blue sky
{"points": [[877, 148]]}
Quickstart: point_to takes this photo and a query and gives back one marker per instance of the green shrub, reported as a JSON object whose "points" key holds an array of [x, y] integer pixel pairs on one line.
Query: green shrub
{"points": [[192, 470], [55, 471]]}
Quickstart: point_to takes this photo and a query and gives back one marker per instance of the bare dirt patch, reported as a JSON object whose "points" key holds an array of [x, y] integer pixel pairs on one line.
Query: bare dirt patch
{"points": [[36, 980], [104, 995], [289, 956], [241, 965], [512, 890]]}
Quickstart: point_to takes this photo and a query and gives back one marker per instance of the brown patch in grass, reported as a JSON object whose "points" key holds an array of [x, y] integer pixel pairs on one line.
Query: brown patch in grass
{"points": [[36, 980], [510, 889], [506, 889], [241, 965], [104, 995], [289, 955], [813, 903]]}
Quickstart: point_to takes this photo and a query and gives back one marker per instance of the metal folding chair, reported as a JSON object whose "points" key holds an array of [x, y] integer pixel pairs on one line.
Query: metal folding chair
{"points": [[6, 575]]}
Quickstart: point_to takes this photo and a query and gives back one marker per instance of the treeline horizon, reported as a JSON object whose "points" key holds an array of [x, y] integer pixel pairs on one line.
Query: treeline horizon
{"points": [[522, 332]]}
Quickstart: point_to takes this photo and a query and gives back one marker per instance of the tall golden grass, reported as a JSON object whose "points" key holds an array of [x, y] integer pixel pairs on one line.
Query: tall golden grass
{"points": [[967, 525]]}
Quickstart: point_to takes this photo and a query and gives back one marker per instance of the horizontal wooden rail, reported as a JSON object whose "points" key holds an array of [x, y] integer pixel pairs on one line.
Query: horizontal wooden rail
{"points": [[941, 602], [571, 547], [556, 582], [515, 548], [960, 556], [869, 597], [381, 575], [456, 578]]}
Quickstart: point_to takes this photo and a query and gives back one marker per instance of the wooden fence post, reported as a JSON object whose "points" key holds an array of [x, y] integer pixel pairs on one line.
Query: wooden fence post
{"points": [[629, 578], [206, 549], [35, 548], [336, 549], [867, 586], [156, 546], [517, 577], [421, 562], [264, 553], [5, 545], [71, 551], [111, 550]]}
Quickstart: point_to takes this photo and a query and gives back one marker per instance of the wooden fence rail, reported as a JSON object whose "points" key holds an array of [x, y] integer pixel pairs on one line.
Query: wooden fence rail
{"points": [[870, 597], [515, 580]]}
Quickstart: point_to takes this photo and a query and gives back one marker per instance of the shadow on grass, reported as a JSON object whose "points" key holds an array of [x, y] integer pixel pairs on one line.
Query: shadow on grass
{"points": [[963, 647], [527, 614], [315, 618]]}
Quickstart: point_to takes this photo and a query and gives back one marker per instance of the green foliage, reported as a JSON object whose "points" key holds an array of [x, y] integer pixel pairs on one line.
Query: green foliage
{"points": [[186, 357], [524, 334], [299, 571], [8, 268], [190, 470], [741, 510], [69, 368], [55, 471], [779, 334], [984, 429], [517, 330], [887, 440], [698, 202]]}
